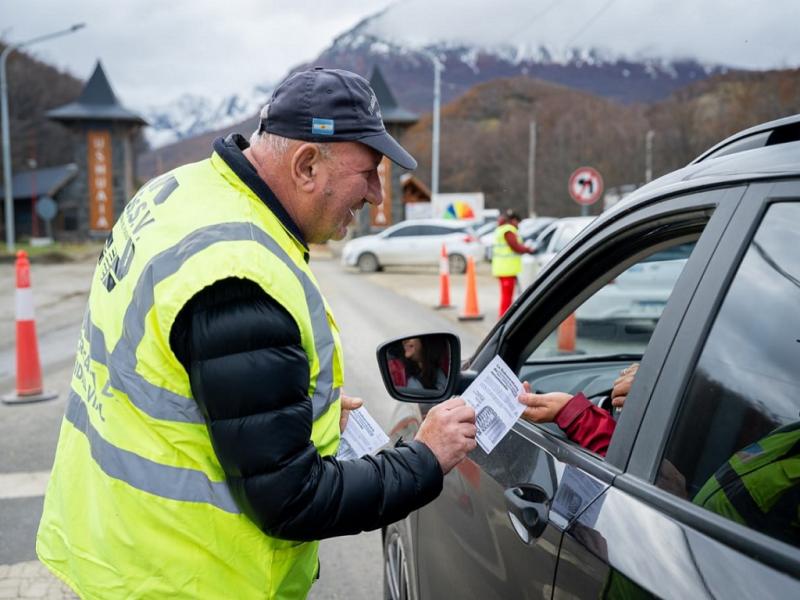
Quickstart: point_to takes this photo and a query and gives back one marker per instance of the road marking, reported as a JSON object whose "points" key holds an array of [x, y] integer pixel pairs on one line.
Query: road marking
{"points": [[23, 485]]}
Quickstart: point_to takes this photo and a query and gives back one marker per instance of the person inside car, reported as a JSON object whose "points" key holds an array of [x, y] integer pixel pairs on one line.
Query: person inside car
{"points": [[583, 422], [419, 365]]}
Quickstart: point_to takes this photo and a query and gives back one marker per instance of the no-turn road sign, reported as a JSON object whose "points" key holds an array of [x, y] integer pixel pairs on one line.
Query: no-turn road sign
{"points": [[585, 186]]}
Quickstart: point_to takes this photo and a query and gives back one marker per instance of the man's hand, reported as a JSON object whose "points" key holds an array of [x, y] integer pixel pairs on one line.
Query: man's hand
{"points": [[449, 431], [348, 403], [542, 408], [622, 385]]}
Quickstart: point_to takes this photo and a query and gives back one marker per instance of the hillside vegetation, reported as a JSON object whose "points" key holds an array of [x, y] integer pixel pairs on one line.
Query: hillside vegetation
{"points": [[34, 88], [485, 134]]}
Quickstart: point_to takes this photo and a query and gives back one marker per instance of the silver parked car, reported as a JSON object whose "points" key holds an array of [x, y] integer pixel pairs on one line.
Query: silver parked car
{"points": [[415, 242], [549, 243]]}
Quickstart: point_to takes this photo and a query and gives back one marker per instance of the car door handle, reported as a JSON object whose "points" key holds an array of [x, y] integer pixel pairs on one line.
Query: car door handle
{"points": [[528, 509]]}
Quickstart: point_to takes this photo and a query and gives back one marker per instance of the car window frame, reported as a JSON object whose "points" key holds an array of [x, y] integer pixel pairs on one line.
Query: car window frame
{"points": [[712, 208], [672, 383], [679, 363]]}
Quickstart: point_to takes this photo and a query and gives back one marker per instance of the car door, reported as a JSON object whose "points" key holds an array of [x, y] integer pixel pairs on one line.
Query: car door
{"points": [[429, 243], [479, 533], [399, 244], [708, 506]]}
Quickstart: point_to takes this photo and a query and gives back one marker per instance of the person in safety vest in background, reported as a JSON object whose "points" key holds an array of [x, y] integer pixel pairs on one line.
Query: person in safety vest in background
{"points": [[197, 455], [507, 257]]}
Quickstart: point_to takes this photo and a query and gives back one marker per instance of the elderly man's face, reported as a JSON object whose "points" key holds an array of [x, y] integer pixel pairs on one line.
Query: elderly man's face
{"points": [[351, 182]]}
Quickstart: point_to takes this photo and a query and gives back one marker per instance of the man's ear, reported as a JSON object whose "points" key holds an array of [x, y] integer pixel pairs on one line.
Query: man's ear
{"points": [[305, 166]]}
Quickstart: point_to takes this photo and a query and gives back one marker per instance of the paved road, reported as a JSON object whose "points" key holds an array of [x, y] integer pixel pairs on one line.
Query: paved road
{"points": [[369, 309]]}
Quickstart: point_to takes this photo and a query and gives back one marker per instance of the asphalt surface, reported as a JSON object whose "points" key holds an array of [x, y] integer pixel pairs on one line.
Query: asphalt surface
{"points": [[369, 309]]}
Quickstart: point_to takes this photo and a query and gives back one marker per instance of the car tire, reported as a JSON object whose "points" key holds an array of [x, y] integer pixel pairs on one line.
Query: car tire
{"points": [[396, 579], [368, 263], [457, 263]]}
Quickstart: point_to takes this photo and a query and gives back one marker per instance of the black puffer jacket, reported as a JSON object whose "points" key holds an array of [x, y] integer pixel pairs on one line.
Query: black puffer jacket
{"points": [[249, 374]]}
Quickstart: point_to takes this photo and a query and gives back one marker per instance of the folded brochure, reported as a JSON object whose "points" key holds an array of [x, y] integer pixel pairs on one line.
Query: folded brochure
{"points": [[494, 396], [361, 436]]}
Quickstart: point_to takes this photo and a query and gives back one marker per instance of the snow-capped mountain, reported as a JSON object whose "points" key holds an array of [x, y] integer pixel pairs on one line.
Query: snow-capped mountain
{"points": [[620, 50], [192, 115]]}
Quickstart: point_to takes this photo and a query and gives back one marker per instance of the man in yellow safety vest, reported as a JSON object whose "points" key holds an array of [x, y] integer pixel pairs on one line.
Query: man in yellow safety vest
{"points": [[197, 455]]}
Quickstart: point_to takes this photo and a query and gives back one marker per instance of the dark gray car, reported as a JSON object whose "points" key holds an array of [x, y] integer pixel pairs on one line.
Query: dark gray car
{"points": [[697, 494]]}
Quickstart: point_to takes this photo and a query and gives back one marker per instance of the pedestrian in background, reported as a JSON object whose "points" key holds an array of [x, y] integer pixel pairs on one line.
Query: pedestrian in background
{"points": [[197, 455], [506, 257]]}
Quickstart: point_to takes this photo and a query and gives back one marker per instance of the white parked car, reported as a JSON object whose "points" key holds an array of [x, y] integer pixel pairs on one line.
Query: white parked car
{"points": [[414, 242], [549, 243]]}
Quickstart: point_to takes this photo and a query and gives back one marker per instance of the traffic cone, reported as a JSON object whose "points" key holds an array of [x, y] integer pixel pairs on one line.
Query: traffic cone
{"points": [[444, 280], [29, 371], [566, 335], [471, 312]]}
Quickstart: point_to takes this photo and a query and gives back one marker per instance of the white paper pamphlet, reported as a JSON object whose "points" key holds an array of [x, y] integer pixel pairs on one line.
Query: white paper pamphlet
{"points": [[493, 395], [361, 436]]}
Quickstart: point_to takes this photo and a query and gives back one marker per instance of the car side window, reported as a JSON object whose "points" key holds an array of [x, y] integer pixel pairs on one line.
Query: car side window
{"points": [[620, 317], [439, 230], [544, 242], [735, 446], [608, 332], [405, 231], [568, 232]]}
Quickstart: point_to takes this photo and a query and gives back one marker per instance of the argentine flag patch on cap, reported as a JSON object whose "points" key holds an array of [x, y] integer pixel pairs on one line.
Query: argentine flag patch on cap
{"points": [[322, 126]]}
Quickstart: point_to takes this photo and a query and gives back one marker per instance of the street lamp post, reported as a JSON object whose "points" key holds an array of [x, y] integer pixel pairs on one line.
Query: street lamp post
{"points": [[9, 192], [437, 99]]}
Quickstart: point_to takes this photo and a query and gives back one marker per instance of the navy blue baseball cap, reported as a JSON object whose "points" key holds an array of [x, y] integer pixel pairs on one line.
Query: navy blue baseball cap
{"points": [[331, 105]]}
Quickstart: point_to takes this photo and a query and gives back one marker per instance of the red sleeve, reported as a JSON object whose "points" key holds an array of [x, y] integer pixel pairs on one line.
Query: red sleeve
{"points": [[397, 372], [511, 239], [586, 424]]}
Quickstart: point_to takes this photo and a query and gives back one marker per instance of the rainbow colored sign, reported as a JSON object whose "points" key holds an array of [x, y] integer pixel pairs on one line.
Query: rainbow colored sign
{"points": [[458, 210]]}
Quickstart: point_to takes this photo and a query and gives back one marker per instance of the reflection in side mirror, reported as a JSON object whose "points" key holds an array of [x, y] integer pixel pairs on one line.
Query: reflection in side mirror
{"points": [[420, 368]]}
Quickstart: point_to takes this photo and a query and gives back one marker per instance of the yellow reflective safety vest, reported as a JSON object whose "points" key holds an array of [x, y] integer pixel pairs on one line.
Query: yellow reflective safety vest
{"points": [[137, 505], [505, 262], [759, 486]]}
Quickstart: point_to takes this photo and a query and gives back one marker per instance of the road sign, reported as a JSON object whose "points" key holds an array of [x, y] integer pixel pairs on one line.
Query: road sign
{"points": [[585, 186], [46, 208]]}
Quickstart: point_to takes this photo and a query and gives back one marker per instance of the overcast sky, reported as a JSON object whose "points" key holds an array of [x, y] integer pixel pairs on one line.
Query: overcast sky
{"points": [[155, 50]]}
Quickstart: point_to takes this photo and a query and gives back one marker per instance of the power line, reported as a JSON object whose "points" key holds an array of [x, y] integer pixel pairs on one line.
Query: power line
{"points": [[588, 23], [533, 19]]}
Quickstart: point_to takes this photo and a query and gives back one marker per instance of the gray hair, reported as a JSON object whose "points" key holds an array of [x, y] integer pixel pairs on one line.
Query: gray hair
{"points": [[278, 145]]}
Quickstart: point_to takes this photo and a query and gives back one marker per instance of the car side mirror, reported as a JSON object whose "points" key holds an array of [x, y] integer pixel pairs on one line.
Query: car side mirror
{"points": [[420, 368], [533, 247]]}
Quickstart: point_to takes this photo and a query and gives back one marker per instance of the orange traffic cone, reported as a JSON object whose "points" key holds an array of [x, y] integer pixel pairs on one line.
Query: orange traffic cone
{"points": [[29, 371], [444, 280], [471, 312], [566, 335]]}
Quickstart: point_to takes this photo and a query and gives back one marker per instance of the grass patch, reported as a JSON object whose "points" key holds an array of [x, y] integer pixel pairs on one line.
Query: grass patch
{"points": [[54, 253]]}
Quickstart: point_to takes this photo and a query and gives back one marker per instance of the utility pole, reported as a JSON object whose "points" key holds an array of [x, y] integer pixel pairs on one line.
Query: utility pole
{"points": [[532, 171], [648, 155], [437, 98], [9, 192]]}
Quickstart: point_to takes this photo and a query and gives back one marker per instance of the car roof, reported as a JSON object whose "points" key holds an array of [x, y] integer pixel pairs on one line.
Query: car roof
{"points": [[766, 134], [767, 162]]}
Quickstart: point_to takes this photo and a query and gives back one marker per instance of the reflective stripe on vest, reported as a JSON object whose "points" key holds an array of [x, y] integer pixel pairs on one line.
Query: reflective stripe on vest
{"points": [[164, 404], [505, 262], [144, 474], [756, 486]]}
